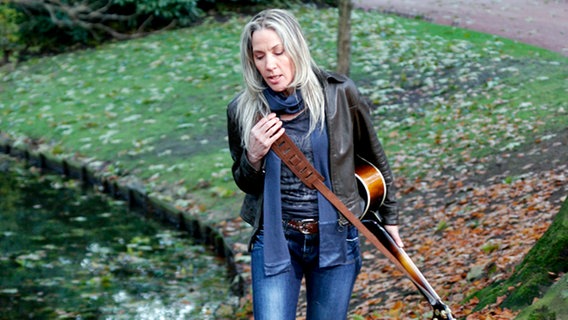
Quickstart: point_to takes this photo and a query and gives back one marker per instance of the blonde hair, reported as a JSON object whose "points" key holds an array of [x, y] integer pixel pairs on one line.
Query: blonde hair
{"points": [[252, 102]]}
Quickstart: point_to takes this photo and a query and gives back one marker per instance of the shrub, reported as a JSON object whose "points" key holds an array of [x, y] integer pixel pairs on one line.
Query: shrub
{"points": [[9, 36], [52, 27]]}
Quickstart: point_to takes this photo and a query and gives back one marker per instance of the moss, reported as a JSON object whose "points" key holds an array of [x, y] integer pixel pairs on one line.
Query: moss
{"points": [[542, 314], [553, 305], [536, 272]]}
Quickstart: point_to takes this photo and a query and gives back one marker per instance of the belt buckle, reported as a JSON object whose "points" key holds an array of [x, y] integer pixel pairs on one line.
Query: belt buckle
{"points": [[303, 228]]}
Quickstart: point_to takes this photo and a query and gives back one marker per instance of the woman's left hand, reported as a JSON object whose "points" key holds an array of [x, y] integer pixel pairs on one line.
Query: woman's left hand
{"points": [[393, 231]]}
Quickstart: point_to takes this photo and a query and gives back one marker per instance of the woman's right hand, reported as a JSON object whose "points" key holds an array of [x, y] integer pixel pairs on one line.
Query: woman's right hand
{"points": [[267, 130]]}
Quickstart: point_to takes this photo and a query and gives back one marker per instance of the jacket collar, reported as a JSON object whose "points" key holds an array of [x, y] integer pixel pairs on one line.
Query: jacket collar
{"points": [[329, 77]]}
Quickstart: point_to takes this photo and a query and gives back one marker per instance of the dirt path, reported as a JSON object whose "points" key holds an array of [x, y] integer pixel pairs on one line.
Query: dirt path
{"points": [[542, 23]]}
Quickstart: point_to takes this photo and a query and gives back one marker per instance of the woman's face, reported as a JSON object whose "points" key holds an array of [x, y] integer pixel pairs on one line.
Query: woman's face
{"points": [[271, 60]]}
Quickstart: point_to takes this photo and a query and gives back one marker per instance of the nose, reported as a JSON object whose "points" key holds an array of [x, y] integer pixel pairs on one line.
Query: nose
{"points": [[270, 62]]}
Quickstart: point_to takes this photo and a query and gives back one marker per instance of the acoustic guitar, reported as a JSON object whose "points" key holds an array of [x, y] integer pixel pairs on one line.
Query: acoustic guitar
{"points": [[372, 189]]}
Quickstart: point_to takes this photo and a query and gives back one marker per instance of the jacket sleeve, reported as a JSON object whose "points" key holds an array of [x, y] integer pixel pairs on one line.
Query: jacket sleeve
{"points": [[367, 145], [246, 177]]}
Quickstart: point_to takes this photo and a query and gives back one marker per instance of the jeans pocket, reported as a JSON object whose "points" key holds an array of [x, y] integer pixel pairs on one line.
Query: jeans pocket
{"points": [[353, 249], [258, 241], [352, 234]]}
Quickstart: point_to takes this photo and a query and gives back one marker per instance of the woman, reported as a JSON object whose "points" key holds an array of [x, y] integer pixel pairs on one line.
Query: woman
{"points": [[297, 233]]}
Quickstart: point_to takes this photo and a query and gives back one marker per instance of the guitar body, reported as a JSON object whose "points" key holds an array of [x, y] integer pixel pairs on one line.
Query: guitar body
{"points": [[371, 184]]}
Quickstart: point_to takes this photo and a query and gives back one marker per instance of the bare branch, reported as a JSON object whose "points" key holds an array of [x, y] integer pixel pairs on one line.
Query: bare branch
{"points": [[92, 17]]}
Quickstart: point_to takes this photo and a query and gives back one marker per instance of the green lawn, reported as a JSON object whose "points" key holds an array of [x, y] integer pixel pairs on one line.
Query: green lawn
{"points": [[156, 106]]}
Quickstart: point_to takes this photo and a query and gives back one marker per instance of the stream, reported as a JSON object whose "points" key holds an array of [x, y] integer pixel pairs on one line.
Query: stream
{"points": [[67, 253]]}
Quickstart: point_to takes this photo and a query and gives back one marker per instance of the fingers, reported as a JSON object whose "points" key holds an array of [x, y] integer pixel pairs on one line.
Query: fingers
{"points": [[399, 242], [264, 133], [393, 231], [266, 128]]}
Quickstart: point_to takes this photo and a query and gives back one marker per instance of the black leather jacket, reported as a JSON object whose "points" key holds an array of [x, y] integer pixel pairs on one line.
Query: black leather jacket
{"points": [[350, 132]]}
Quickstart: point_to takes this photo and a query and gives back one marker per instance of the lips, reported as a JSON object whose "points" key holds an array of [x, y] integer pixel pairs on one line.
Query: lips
{"points": [[274, 79]]}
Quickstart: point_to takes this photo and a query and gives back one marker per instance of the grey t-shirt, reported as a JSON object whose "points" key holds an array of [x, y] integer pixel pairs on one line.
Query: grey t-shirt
{"points": [[298, 201]]}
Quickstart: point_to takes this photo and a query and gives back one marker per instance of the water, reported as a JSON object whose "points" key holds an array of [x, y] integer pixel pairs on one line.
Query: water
{"points": [[69, 254]]}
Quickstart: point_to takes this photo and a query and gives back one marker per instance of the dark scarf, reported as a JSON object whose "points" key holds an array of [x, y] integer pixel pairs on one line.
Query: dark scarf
{"points": [[281, 104], [333, 245]]}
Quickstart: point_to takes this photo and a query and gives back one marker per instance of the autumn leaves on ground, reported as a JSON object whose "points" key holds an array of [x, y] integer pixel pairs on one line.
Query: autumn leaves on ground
{"points": [[474, 126], [464, 234]]}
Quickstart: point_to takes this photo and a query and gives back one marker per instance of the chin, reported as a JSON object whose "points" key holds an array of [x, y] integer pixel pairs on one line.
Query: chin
{"points": [[279, 88]]}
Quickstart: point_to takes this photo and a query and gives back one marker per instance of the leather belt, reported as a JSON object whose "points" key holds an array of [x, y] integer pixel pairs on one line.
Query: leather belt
{"points": [[305, 226]]}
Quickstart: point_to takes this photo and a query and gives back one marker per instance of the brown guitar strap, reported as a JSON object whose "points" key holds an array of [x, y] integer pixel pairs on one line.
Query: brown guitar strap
{"points": [[293, 157]]}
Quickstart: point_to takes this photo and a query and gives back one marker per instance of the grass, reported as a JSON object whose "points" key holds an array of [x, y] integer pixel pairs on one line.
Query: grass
{"points": [[130, 101], [156, 106]]}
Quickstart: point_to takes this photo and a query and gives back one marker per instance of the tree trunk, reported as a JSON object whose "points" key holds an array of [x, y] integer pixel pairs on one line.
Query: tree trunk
{"points": [[344, 37], [547, 260], [5, 57]]}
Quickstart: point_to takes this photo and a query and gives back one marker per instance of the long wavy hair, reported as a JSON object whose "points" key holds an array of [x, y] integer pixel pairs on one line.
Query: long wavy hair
{"points": [[252, 103]]}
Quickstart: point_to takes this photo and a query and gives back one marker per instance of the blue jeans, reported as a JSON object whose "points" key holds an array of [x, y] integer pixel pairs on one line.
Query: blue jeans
{"points": [[328, 290]]}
